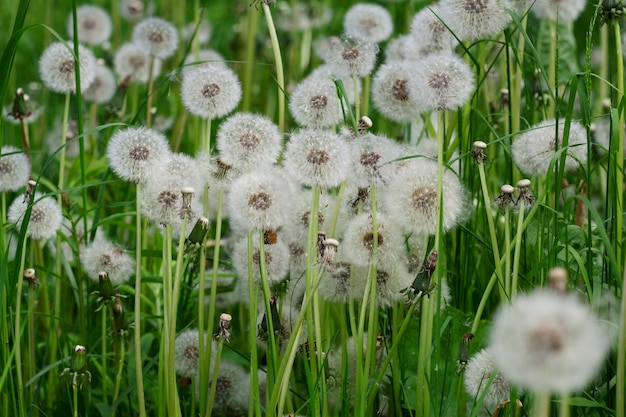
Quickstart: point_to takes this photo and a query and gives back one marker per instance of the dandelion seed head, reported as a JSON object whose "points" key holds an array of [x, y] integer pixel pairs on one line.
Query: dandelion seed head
{"points": [[395, 93], [45, 216], [187, 353], [564, 10], [103, 87], [358, 240], [314, 103], [446, 81], [94, 25], [101, 255], [56, 68], [130, 61], [475, 19], [478, 371], [232, 390], [371, 160], [369, 22], [428, 34], [14, 169], [352, 57], [206, 58], [210, 92], [155, 36]]}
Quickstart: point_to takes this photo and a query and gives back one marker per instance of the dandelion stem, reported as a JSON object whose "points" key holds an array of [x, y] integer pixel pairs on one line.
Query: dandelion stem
{"points": [[104, 341], [254, 407], [541, 405], [216, 367], [18, 330], [150, 88], [518, 248], [280, 77], [137, 333]]}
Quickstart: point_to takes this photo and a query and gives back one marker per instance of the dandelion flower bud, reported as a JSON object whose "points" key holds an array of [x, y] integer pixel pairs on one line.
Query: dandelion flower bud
{"points": [[56, 68], [94, 25], [210, 92], [223, 331], [395, 93], [314, 103], [78, 362], [103, 87], [105, 286], [475, 19], [369, 22], [130, 61], [260, 200], [358, 241], [14, 169], [548, 342], [534, 149], [136, 152], [249, 141], [155, 36], [187, 353], [45, 217], [352, 57], [479, 370], [31, 278], [317, 158], [428, 34], [447, 81], [411, 198], [565, 11], [103, 256]]}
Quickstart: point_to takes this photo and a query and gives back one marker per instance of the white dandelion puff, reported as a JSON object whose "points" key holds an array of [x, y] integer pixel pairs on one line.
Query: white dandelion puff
{"points": [[93, 23], [56, 68], [369, 22], [45, 216], [210, 92], [155, 36], [14, 169]]}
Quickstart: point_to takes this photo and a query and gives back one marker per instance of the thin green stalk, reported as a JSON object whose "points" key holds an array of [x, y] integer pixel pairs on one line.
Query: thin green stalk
{"points": [[618, 144], [564, 409], [31, 338], [137, 332], [248, 59], [518, 248], [103, 365], [120, 368], [75, 398], [541, 405], [216, 367], [17, 337], [280, 76], [206, 138], [272, 353], [621, 355], [254, 406], [150, 90], [507, 252], [357, 98]]}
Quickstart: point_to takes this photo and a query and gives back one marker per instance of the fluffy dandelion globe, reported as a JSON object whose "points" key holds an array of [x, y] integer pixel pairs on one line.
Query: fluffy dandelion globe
{"points": [[204, 58], [369, 22], [390, 281], [395, 93], [155, 36], [327, 71], [93, 23], [276, 261], [411, 198], [130, 62], [428, 34], [103, 256], [232, 389], [479, 370], [548, 342], [56, 68], [317, 158], [103, 87], [132, 10], [248, 141], [14, 169], [45, 216], [372, 159], [210, 92], [202, 33], [137, 152], [260, 200], [534, 149], [352, 57], [475, 19], [187, 353], [446, 81], [565, 11], [314, 103]]}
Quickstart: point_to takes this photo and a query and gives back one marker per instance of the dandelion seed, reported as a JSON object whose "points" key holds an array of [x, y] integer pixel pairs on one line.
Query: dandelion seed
{"points": [[369, 22], [260, 200], [316, 157], [155, 36], [352, 57], [131, 62], [314, 103], [534, 149], [478, 371], [45, 216], [94, 25], [475, 19], [136, 152], [249, 141], [548, 342], [56, 68], [411, 198], [14, 169], [358, 241], [103, 87], [210, 92], [446, 80], [395, 93], [428, 34], [103, 256]]}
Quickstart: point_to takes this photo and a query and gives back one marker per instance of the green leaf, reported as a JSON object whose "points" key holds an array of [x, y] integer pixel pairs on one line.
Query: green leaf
{"points": [[566, 49]]}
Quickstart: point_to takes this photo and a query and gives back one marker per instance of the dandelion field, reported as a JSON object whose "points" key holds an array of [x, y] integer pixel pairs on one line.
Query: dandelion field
{"points": [[323, 208]]}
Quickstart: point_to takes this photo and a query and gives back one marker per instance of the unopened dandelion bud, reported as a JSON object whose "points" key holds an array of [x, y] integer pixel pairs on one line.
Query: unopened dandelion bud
{"points": [[464, 348], [199, 231], [557, 278], [105, 286], [270, 237], [30, 191], [119, 315], [78, 363], [329, 250], [506, 199], [504, 97], [365, 123], [223, 331], [20, 111], [479, 152]]}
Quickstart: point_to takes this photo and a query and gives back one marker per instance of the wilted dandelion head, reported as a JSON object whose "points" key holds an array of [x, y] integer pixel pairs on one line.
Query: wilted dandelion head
{"points": [[103, 87], [155, 36], [103, 256], [548, 342], [93, 22], [314, 102], [14, 169], [260, 200], [353, 57], [210, 92], [479, 370], [446, 81], [316, 158], [475, 19], [130, 61], [369, 22], [56, 68], [395, 93], [249, 141], [136, 152], [412, 198], [359, 236], [534, 149], [564, 10], [45, 217], [428, 34]]}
